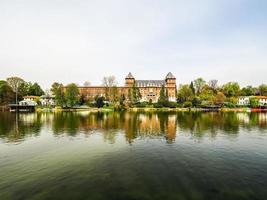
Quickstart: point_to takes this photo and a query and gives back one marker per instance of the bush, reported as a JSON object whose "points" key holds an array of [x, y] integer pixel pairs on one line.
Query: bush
{"points": [[141, 104], [171, 105], [157, 105], [187, 104]]}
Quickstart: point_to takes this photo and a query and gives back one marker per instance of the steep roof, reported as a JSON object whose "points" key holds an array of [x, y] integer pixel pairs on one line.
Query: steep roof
{"points": [[170, 76], [149, 83], [129, 75]]}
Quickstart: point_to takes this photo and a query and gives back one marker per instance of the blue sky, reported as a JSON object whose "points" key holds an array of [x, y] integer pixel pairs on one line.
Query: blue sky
{"points": [[75, 40]]}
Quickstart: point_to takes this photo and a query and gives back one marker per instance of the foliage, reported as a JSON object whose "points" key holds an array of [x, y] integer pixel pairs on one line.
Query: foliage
{"points": [[163, 99], [254, 102], [192, 88], [248, 91], [6, 93], [71, 95], [231, 89], [199, 84], [58, 90], [219, 98], [134, 95], [99, 101], [185, 93], [263, 90], [187, 104], [35, 89]]}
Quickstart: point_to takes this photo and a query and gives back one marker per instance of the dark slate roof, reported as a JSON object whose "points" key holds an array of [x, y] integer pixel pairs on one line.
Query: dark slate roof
{"points": [[149, 83], [129, 75], [170, 76]]}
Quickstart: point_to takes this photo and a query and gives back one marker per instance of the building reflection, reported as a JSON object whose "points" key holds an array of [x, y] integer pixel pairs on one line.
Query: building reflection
{"points": [[132, 125]]}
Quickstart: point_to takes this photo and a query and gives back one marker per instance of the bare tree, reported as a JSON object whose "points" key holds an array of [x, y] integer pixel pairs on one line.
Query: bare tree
{"points": [[15, 83], [87, 84], [109, 82], [213, 84]]}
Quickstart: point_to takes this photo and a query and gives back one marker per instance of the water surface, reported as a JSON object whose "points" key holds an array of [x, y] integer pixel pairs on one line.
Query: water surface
{"points": [[133, 156]]}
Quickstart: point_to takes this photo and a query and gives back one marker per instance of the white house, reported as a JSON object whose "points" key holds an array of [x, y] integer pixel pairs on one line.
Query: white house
{"points": [[262, 100], [29, 101], [47, 100], [243, 101]]}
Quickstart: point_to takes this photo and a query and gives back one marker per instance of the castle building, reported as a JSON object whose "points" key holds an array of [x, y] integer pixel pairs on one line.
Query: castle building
{"points": [[149, 89]]}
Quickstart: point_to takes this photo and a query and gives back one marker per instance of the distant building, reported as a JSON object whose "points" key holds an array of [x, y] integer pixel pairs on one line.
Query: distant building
{"points": [[149, 89], [47, 100], [29, 101], [243, 101], [262, 100]]}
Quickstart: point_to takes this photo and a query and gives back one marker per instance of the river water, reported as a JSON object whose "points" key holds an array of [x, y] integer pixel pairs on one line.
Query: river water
{"points": [[124, 156]]}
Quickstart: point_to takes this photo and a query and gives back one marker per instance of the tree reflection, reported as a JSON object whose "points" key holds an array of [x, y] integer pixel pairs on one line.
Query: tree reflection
{"points": [[16, 127], [133, 125]]}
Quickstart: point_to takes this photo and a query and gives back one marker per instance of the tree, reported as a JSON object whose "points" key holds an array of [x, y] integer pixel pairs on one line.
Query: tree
{"points": [[15, 83], [213, 84], [163, 99], [248, 91], [136, 94], [72, 94], [114, 94], [231, 89], [263, 90], [219, 98], [35, 90], [87, 84], [109, 82], [254, 102], [6, 93], [199, 84], [207, 94], [99, 101], [57, 89], [192, 87], [185, 93]]}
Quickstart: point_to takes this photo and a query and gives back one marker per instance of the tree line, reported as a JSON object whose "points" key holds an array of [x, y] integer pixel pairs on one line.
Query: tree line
{"points": [[199, 93], [15, 88]]}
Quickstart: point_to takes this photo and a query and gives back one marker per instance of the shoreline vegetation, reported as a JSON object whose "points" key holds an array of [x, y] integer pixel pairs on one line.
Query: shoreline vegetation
{"points": [[199, 95]]}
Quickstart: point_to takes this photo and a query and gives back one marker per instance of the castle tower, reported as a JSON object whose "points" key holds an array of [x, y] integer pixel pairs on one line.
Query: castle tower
{"points": [[129, 80], [170, 82]]}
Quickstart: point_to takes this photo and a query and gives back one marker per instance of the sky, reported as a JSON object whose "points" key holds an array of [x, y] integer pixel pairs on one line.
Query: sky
{"points": [[84, 40]]}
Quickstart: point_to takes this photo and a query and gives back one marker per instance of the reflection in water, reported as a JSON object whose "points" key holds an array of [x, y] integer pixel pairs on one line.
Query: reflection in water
{"points": [[14, 128], [147, 156]]}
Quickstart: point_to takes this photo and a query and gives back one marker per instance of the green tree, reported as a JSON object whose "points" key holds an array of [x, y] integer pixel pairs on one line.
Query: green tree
{"points": [[6, 93], [72, 94], [254, 102], [231, 89], [163, 98], [199, 84], [263, 89], [248, 91], [57, 89], [185, 93], [99, 101], [35, 89], [192, 87]]}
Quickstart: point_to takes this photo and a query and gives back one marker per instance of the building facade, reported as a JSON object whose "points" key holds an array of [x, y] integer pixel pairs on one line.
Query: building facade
{"points": [[149, 89]]}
